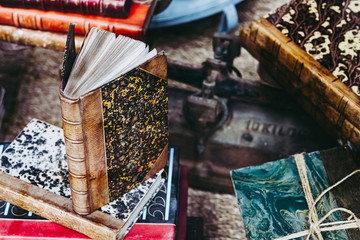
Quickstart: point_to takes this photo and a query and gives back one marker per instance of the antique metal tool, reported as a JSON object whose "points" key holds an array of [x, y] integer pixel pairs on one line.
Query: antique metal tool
{"points": [[206, 110], [230, 122]]}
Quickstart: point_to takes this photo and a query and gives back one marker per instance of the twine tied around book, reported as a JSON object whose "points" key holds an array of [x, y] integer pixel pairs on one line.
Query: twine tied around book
{"points": [[317, 225]]}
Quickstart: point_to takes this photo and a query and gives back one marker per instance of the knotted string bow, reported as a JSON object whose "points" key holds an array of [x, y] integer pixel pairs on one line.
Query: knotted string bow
{"points": [[317, 225]]}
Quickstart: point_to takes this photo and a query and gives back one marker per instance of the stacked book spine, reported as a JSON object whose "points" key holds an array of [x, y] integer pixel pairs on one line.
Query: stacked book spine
{"points": [[314, 87], [315, 58], [106, 8], [30, 22]]}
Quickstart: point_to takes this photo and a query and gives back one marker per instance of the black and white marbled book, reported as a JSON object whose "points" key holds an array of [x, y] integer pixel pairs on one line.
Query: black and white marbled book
{"points": [[38, 156]]}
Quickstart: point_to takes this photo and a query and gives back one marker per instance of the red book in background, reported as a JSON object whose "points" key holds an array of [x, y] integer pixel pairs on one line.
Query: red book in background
{"points": [[134, 26], [163, 219], [106, 8]]}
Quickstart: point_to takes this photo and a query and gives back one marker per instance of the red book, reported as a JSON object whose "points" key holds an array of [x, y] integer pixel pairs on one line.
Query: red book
{"points": [[134, 26], [108, 8], [183, 196], [46, 230]]}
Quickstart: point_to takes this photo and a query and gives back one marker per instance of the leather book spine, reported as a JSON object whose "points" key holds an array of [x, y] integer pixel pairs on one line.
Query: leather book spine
{"points": [[54, 5], [330, 118], [12, 3], [30, 37], [75, 152], [265, 39], [116, 8], [33, 4], [60, 21], [36, 4], [105, 8]]}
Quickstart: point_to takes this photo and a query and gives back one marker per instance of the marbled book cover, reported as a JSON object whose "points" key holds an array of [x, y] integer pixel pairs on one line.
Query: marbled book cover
{"points": [[135, 127], [272, 201]]}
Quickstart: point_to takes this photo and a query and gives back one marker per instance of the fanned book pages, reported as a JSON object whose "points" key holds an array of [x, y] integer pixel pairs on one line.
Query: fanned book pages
{"points": [[102, 58], [34, 176], [113, 100]]}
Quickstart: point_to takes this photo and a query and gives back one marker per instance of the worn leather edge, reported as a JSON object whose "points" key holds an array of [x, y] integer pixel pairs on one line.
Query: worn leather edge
{"points": [[316, 106], [95, 153], [75, 152], [157, 65], [44, 39]]}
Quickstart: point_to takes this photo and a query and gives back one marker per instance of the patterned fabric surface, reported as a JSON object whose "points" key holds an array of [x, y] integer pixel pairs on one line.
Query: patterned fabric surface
{"points": [[328, 30], [135, 126]]}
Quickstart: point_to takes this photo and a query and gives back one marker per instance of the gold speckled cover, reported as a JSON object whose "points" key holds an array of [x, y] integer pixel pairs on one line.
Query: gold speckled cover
{"points": [[328, 30], [135, 127]]}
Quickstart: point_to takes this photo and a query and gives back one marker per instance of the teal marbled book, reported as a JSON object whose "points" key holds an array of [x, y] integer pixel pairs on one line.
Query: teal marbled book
{"points": [[272, 201]]}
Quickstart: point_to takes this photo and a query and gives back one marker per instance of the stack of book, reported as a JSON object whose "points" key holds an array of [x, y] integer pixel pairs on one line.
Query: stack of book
{"points": [[164, 218], [96, 174], [43, 23], [34, 176]]}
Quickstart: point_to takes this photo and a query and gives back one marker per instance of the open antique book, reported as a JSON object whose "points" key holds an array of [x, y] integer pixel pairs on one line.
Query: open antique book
{"points": [[113, 98]]}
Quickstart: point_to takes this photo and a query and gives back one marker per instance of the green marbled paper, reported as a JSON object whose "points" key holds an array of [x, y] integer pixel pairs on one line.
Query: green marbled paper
{"points": [[135, 126], [272, 201]]}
